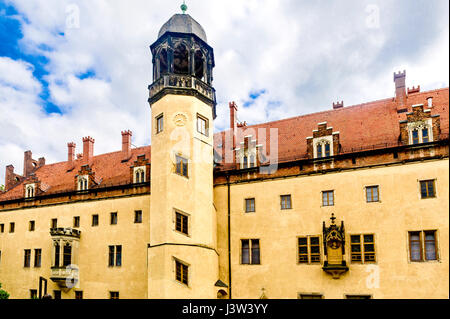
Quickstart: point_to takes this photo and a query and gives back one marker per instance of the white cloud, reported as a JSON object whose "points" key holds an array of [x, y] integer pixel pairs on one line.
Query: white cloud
{"points": [[304, 54]]}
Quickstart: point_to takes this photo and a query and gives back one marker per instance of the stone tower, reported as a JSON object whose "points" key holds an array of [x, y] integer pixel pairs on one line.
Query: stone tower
{"points": [[182, 254]]}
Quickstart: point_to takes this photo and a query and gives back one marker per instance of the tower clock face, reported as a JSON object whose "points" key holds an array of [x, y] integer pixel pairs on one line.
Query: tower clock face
{"points": [[180, 119]]}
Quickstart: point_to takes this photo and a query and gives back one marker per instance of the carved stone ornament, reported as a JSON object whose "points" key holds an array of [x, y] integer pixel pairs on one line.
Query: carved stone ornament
{"points": [[334, 249]]}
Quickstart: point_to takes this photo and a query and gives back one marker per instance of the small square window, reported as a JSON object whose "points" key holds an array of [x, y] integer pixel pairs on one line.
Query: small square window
{"points": [[12, 227], [2, 228], [286, 202], [78, 295], [250, 205], [94, 220], [54, 223], [31, 225], [138, 216], [113, 295], [328, 198], [427, 189], [372, 194], [159, 124], [33, 294]]}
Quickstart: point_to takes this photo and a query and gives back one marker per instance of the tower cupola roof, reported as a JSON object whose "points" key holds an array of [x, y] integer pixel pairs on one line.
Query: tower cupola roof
{"points": [[183, 23]]}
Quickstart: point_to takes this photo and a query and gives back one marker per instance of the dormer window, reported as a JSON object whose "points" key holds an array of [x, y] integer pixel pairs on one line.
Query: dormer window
{"points": [[420, 132], [83, 183], [30, 191], [323, 147], [139, 175]]}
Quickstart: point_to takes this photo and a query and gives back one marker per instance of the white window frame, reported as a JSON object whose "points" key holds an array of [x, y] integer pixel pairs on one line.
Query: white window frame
{"points": [[80, 182], [32, 188], [323, 141], [139, 169], [420, 125]]}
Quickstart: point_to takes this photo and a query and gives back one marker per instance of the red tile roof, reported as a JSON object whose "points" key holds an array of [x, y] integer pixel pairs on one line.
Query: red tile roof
{"points": [[363, 126]]}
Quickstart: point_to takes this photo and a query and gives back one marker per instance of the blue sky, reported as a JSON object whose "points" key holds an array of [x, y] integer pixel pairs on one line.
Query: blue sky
{"points": [[69, 69]]}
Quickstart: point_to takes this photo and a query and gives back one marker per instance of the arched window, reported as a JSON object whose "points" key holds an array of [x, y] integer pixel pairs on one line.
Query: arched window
{"points": [[142, 176], [319, 150], [245, 160], [163, 62], [139, 175], [82, 184], [415, 136], [29, 191], [199, 65], [181, 59], [425, 136], [327, 149]]}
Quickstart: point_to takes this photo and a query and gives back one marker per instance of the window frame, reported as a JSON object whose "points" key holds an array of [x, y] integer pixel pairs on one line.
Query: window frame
{"points": [[27, 258], [285, 206], [114, 218], [12, 227], [114, 295], [159, 125], [308, 250], [184, 271], [250, 251], [427, 181], [362, 245], [136, 214], [76, 221], [377, 187], [96, 218], [249, 200], [206, 121], [185, 223], [184, 165], [32, 225], [422, 246], [37, 257], [313, 295], [78, 294], [54, 223], [328, 198]]}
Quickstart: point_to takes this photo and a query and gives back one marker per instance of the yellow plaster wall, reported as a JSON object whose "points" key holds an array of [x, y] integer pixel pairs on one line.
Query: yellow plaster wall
{"points": [[96, 278], [400, 210]]}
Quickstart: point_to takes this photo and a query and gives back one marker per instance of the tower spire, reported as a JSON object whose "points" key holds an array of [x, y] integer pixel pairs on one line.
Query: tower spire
{"points": [[184, 7]]}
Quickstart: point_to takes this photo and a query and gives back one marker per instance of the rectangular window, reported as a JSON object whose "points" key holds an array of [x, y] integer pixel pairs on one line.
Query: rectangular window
{"points": [[0, 256], [115, 256], [94, 220], [67, 255], [57, 294], [54, 223], [423, 245], [372, 194], [159, 124], [202, 125], [76, 221], [33, 294], [327, 150], [31, 225], [113, 218], [181, 223], [27, 258], [427, 189], [250, 205], [181, 166], [138, 216], [309, 250], [310, 296], [78, 295], [57, 255], [319, 150], [328, 198], [2, 228], [37, 257], [181, 272], [286, 202], [113, 295], [12, 226], [362, 248], [250, 252]]}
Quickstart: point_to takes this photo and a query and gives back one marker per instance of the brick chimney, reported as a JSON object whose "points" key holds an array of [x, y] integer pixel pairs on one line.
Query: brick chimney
{"points": [[233, 121], [338, 105], [9, 177], [400, 89], [30, 165], [126, 145], [88, 150], [71, 155]]}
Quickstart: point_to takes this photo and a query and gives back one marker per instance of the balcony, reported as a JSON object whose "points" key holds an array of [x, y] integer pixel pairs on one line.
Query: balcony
{"points": [[65, 277], [65, 232], [184, 85]]}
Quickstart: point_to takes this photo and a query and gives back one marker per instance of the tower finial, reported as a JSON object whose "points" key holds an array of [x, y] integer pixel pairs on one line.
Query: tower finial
{"points": [[184, 7]]}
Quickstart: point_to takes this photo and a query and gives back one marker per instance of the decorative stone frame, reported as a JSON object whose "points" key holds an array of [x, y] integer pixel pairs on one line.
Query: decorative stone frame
{"points": [[142, 171], [249, 151], [30, 190], [321, 136], [417, 119], [140, 163], [83, 183]]}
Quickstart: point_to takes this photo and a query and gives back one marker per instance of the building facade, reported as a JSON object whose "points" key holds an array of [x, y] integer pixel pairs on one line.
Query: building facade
{"points": [[347, 203]]}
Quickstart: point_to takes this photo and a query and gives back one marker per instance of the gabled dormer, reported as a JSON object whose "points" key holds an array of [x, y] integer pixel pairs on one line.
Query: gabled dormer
{"points": [[420, 126], [324, 143], [140, 171], [33, 187], [86, 179]]}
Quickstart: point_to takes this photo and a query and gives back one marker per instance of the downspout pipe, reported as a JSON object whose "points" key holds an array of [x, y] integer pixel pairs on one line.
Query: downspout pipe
{"points": [[229, 235]]}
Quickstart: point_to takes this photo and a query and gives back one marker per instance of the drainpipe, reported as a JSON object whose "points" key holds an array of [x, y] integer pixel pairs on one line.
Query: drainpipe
{"points": [[229, 236]]}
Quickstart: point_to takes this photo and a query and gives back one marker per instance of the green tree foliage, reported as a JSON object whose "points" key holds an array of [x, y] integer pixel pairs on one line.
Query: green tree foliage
{"points": [[3, 293]]}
